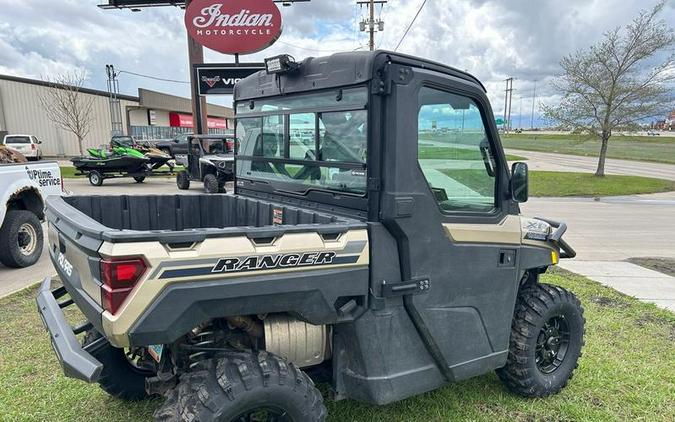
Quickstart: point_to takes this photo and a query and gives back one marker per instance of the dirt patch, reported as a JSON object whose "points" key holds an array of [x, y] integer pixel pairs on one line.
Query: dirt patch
{"points": [[662, 265], [608, 302]]}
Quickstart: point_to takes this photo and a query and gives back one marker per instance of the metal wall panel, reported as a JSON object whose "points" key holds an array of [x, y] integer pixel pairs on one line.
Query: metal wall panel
{"points": [[23, 113]]}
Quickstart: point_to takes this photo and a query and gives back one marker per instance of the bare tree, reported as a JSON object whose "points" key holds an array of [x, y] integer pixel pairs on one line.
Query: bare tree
{"points": [[67, 107], [617, 83]]}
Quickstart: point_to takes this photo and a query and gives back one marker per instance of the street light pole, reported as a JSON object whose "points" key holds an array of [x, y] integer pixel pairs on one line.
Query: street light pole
{"points": [[534, 98]]}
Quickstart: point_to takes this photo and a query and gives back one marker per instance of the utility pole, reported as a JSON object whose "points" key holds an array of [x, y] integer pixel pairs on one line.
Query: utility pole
{"points": [[520, 114], [534, 98], [371, 24], [507, 104]]}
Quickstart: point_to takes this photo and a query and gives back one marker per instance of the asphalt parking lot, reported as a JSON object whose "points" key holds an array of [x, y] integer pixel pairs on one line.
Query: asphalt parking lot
{"points": [[605, 232]]}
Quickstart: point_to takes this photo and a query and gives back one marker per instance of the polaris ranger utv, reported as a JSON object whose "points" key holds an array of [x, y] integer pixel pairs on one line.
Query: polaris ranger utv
{"points": [[210, 159], [385, 256]]}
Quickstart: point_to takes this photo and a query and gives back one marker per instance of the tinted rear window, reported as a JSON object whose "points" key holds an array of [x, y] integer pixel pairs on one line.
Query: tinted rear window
{"points": [[17, 140]]}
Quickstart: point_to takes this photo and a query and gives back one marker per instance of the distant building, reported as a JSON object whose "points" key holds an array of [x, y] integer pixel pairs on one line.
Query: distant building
{"points": [[669, 124], [150, 115]]}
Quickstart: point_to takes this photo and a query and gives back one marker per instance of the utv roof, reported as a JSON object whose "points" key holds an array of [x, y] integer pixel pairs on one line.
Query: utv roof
{"points": [[227, 134], [340, 69]]}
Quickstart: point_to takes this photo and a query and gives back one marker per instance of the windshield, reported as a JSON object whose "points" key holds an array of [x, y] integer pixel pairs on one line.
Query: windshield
{"points": [[124, 141], [17, 140], [213, 146], [304, 142]]}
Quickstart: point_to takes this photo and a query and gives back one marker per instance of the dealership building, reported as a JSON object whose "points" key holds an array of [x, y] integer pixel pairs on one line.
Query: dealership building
{"points": [[150, 115]]}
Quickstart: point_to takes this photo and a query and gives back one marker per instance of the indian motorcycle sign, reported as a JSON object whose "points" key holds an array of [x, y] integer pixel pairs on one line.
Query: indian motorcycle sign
{"points": [[234, 26]]}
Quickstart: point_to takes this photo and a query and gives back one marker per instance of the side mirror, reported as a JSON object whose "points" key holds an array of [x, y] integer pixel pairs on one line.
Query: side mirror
{"points": [[519, 182]]}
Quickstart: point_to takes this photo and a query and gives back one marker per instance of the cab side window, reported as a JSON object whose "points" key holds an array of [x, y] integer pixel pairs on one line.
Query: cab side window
{"points": [[454, 152]]}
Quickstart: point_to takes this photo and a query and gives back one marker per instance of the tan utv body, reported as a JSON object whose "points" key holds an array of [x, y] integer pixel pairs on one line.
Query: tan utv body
{"points": [[373, 242]]}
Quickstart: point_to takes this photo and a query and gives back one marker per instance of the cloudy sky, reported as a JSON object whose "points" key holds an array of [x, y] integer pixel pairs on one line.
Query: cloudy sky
{"points": [[492, 39]]}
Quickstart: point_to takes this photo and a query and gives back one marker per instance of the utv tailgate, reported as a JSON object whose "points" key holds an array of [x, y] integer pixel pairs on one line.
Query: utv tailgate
{"points": [[75, 361]]}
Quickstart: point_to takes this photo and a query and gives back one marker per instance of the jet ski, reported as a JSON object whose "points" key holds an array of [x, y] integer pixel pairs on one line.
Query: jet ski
{"points": [[157, 157], [119, 160]]}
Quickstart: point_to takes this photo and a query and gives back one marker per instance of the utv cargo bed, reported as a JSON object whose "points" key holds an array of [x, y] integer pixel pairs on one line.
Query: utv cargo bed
{"points": [[180, 218], [186, 249]]}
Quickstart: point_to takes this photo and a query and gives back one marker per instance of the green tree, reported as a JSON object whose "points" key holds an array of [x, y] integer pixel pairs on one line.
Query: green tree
{"points": [[619, 82]]}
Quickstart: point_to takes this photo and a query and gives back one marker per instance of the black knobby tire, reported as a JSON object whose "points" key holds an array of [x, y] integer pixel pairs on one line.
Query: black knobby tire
{"points": [[119, 378], [547, 336], [211, 183], [183, 180], [21, 239], [228, 388], [95, 178], [139, 179]]}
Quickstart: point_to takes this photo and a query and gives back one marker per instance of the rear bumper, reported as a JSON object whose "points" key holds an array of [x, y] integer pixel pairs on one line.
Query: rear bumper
{"points": [[75, 361], [32, 153]]}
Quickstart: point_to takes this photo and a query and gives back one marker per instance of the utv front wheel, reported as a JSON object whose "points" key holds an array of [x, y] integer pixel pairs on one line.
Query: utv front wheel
{"points": [[547, 335], [183, 180], [211, 184], [121, 377], [243, 386]]}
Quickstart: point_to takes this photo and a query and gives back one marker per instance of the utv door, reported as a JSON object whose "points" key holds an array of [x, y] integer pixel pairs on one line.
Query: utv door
{"points": [[445, 201]]}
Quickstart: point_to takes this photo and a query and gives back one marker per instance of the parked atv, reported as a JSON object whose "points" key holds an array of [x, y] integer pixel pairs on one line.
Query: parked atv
{"points": [[210, 159]]}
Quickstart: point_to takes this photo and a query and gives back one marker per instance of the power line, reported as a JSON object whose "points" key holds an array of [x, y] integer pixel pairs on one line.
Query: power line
{"points": [[153, 77], [411, 24]]}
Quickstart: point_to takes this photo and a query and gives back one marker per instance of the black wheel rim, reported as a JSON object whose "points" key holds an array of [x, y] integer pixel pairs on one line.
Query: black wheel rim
{"points": [[136, 364], [552, 344], [27, 239], [264, 414]]}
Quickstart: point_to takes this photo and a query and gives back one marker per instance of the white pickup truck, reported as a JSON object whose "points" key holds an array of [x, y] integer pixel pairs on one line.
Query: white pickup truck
{"points": [[23, 190]]}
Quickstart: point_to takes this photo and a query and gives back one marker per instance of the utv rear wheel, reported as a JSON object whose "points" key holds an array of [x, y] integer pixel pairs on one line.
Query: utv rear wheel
{"points": [[244, 387], [21, 239], [120, 377], [547, 335], [139, 179], [183, 180], [211, 184]]}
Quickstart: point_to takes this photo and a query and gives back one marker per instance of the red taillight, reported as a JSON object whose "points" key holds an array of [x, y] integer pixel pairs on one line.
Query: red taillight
{"points": [[119, 278], [230, 146], [33, 146]]}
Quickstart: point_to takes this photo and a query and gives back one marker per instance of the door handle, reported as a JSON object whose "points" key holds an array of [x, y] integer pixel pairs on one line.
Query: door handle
{"points": [[507, 258]]}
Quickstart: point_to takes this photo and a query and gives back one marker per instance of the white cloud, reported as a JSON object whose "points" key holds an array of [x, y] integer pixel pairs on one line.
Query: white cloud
{"points": [[492, 39]]}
